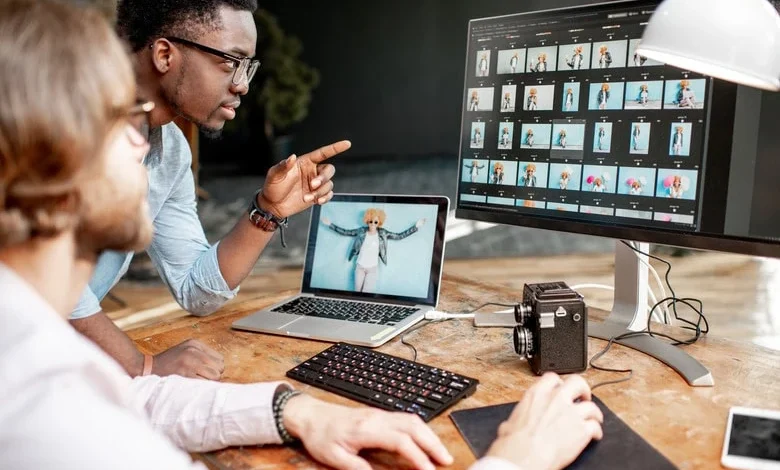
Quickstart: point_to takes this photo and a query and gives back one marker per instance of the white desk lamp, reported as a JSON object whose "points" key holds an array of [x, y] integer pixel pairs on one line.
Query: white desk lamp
{"points": [[734, 40]]}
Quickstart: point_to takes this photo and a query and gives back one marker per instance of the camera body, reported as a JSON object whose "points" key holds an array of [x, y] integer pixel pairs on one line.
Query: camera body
{"points": [[552, 328]]}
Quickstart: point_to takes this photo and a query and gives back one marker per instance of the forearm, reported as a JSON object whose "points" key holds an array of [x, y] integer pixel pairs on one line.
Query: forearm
{"points": [[103, 332], [201, 416], [239, 250]]}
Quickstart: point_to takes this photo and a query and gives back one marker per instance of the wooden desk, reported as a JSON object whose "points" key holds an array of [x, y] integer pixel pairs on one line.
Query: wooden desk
{"points": [[685, 424]]}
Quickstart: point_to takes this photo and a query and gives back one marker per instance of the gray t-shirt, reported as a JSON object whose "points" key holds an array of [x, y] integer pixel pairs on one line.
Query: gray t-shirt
{"points": [[183, 257]]}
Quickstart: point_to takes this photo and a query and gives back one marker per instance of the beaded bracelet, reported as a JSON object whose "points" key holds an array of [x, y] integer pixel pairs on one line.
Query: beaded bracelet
{"points": [[280, 401]]}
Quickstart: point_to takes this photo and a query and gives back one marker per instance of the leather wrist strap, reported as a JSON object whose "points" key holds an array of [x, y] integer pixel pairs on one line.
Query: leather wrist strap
{"points": [[265, 220], [148, 360]]}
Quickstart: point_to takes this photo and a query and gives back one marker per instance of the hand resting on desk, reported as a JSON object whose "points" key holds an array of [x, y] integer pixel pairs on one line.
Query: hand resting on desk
{"points": [[334, 434]]}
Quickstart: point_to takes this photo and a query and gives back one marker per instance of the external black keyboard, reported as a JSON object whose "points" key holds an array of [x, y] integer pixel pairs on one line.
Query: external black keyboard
{"points": [[384, 381], [361, 312]]}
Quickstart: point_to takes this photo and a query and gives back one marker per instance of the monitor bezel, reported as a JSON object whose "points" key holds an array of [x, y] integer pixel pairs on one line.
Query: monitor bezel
{"points": [[717, 146]]}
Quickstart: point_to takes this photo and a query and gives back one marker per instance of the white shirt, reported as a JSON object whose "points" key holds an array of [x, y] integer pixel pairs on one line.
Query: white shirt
{"points": [[369, 251], [65, 404]]}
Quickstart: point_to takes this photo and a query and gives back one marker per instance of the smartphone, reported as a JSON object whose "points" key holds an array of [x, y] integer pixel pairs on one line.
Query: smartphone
{"points": [[752, 439]]}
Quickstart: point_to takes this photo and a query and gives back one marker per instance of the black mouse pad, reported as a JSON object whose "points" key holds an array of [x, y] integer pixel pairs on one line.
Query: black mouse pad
{"points": [[621, 448]]}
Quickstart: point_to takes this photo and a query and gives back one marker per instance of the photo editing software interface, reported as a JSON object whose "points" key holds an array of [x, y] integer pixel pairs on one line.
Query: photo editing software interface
{"points": [[562, 115]]}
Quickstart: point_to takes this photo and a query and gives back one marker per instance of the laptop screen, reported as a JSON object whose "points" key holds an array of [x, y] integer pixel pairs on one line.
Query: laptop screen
{"points": [[377, 248]]}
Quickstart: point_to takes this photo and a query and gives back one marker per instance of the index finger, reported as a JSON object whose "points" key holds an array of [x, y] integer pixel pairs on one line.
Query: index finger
{"points": [[538, 395], [573, 388], [328, 151], [424, 437]]}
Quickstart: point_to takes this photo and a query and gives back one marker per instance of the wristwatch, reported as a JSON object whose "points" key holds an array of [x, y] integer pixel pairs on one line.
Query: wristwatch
{"points": [[265, 220]]}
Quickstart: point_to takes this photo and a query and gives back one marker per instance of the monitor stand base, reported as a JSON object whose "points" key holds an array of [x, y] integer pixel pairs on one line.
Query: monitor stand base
{"points": [[629, 313]]}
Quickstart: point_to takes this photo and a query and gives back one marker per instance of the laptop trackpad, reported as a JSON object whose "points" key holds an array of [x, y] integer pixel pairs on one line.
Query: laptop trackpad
{"points": [[267, 320], [315, 326]]}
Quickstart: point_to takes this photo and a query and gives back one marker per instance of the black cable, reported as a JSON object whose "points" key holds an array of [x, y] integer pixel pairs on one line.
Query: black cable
{"points": [[416, 327], [670, 301], [487, 304]]}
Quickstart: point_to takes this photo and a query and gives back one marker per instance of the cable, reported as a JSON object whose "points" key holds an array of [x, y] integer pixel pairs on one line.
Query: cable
{"points": [[651, 268], [415, 328], [592, 286], [672, 301], [436, 316], [487, 304], [606, 287]]}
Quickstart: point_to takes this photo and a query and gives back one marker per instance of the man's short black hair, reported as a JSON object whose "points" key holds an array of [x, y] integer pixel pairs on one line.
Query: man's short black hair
{"points": [[142, 21]]}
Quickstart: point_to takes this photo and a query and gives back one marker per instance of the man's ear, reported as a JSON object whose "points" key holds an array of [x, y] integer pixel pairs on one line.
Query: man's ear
{"points": [[163, 54]]}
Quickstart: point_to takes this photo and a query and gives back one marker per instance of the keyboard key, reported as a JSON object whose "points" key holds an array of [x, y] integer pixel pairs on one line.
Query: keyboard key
{"points": [[384, 381], [347, 310]]}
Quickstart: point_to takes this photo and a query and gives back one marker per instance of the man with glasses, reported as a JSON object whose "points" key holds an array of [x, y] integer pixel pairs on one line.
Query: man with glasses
{"points": [[194, 59], [71, 186]]}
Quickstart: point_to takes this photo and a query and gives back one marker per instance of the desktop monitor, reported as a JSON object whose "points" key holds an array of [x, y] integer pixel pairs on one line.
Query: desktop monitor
{"points": [[577, 132]]}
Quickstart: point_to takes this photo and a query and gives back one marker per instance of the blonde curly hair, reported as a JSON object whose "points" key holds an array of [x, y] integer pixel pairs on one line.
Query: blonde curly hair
{"points": [[66, 83], [375, 214]]}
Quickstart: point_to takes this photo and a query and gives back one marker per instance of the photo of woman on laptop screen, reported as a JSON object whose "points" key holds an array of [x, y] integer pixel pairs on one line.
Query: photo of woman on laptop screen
{"points": [[373, 249]]}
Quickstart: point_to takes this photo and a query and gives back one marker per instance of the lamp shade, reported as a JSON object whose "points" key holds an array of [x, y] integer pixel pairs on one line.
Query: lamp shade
{"points": [[734, 40]]}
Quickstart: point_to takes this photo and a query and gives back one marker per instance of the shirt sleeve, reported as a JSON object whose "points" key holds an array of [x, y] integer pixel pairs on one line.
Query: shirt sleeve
{"points": [[88, 305], [201, 415], [182, 255], [493, 463], [60, 421]]}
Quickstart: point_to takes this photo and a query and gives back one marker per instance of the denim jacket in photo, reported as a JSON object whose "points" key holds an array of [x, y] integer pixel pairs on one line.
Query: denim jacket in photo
{"points": [[360, 237]]}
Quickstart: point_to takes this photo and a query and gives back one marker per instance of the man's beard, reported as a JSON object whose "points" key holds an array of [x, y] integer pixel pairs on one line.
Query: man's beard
{"points": [[206, 131]]}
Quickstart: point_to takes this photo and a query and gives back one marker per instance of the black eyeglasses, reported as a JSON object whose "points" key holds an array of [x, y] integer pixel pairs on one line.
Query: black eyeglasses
{"points": [[138, 117], [242, 66], [376, 222]]}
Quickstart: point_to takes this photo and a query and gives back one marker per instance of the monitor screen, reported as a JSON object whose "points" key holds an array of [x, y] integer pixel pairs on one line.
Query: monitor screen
{"points": [[566, 127], [378, 247]]}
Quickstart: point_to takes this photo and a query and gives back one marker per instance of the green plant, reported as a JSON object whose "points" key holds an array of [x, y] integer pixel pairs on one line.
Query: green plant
{"points": [[285, 81]]}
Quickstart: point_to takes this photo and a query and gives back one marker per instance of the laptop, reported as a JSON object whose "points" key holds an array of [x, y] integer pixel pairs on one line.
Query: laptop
{"points": [[373, 269]]}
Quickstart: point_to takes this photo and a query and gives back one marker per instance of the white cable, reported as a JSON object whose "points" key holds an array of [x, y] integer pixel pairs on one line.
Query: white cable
{"points": [[657, 278], [435, 315], [656, 315], [592, 286], [653, 300]]}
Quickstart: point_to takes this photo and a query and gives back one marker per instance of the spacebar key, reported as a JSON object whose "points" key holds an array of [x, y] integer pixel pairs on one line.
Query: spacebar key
{"points": [[350, 388]]}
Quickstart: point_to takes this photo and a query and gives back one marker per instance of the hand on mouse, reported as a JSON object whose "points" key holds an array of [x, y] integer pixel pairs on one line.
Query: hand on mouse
{"points": [[550, 426]]}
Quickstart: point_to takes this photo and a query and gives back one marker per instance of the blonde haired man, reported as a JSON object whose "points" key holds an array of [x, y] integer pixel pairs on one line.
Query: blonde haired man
{"points": [[71, 186]]}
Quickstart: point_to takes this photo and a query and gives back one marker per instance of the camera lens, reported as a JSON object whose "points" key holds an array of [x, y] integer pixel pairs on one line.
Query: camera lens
{"points": [[524, 341], [522, 312]]}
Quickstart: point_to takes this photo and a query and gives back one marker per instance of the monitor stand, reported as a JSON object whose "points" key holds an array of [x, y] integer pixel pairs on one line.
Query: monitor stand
{"points": [[629, 313]]}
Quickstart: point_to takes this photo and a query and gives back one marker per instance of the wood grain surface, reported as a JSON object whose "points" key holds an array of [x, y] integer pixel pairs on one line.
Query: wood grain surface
{"points": [[685, 424]]}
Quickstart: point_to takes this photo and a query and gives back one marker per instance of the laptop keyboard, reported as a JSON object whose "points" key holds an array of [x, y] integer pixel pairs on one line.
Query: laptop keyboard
{"points": [[384, 381], [361, 312]]}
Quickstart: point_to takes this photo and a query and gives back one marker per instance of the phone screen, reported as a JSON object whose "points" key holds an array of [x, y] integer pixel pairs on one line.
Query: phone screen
{"points": [[755, 437]]}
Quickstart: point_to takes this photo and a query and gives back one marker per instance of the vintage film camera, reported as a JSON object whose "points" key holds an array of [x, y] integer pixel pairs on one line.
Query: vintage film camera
{"points": [[552, 328]]}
